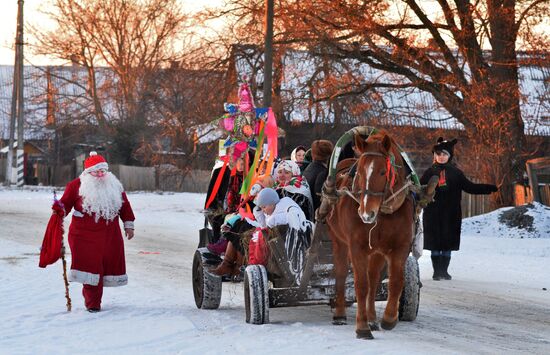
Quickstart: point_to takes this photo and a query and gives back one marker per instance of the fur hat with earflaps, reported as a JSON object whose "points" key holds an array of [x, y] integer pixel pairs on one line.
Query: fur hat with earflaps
{"points": [[445, 146], [321, 150]]}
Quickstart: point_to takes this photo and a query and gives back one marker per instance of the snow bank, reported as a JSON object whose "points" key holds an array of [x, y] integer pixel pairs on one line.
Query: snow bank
{"points": [[527, 221]]}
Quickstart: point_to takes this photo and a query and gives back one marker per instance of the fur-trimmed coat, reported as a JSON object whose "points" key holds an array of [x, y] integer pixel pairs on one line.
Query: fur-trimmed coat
{"points": [[97, 247], [443, 218]]}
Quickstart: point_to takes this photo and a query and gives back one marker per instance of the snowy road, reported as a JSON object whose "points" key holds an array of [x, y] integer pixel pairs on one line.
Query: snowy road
{"points": [[494, 304]]}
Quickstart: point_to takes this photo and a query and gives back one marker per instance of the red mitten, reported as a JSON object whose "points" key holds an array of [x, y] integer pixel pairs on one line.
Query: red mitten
{"points": [[58, 208]]}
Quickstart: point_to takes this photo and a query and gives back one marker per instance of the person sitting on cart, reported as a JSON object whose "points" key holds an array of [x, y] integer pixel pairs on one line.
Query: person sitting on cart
{"points": [[232, 230], [291, 183], [272, 211]]}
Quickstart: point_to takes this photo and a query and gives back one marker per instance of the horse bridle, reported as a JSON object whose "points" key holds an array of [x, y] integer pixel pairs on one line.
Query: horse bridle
{"points": [[390, 179], [366, 191]]}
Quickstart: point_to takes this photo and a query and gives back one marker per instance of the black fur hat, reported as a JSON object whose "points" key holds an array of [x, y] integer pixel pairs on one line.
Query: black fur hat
{"points": [[445, 146]]}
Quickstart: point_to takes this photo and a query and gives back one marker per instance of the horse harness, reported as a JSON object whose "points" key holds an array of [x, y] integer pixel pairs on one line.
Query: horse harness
{"points": [[394, 201]]}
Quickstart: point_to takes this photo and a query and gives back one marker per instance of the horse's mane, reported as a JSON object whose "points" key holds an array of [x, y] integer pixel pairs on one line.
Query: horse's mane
{"points": [[378, 137]]}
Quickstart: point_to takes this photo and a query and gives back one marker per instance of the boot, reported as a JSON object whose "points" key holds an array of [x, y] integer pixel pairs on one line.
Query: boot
{"points": [[229, 265], [445, 260], [218, 247], [428, 192], [436, 265], [237, 267]]}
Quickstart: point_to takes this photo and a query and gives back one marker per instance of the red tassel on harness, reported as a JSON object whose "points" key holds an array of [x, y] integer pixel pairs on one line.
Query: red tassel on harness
{"points": [[390, 172]]}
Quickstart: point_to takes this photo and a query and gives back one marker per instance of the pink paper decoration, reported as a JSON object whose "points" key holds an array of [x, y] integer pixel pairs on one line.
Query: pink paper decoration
{"points": [[229, 123], [245, 99]]}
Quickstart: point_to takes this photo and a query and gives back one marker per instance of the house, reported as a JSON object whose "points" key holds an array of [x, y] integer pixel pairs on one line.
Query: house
{"points": [[61, 117], [414, 116]]}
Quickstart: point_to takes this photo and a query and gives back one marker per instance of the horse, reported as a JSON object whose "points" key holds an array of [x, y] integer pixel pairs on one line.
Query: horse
{"points": [[371, 223]]}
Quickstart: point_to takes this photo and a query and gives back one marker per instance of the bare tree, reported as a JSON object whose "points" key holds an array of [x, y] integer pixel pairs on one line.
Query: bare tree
{"points": [[134, 40], [463, 53]]}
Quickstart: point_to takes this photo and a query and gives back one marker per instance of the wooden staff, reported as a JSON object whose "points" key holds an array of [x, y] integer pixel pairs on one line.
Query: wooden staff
{"points": [[65, 278], [67, 296]]}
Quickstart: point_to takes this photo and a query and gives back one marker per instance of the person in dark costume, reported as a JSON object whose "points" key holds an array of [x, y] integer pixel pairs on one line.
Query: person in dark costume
{"points": [[214, 212], [443, 217], [317, 171], [230, 205]]}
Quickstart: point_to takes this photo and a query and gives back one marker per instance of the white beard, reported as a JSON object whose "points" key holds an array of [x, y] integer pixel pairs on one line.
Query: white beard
{"points": [[101, 196]]}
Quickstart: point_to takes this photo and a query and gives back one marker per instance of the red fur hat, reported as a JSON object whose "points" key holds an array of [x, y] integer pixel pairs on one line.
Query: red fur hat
{"points": [[95, 162]]}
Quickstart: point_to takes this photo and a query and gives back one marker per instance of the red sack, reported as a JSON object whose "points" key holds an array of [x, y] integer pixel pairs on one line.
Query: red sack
{"points": [[51, 245], [258, 254]]}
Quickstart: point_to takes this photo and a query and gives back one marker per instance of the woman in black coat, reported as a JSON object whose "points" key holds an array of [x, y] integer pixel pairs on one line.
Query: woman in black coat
{"points": [[443, 218], [317, 171]]}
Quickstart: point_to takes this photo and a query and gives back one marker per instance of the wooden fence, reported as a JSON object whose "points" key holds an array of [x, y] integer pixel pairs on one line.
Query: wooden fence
{"points": [[523, 194], [163, 177], [474, 205], [135, 178], [170, 178]]}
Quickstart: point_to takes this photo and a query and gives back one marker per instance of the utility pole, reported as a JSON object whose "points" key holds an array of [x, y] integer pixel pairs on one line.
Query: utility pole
{"points": [[268, 52], [13, 113], [20, 98]]}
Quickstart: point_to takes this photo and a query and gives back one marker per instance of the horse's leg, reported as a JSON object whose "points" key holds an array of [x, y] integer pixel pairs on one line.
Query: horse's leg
{"points": [[359, 261], [341, 266], [396, 265], [376, 262]]}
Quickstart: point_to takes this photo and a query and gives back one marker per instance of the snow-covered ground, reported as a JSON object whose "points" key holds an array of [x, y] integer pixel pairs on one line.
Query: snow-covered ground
{"points": [[497, 302]]}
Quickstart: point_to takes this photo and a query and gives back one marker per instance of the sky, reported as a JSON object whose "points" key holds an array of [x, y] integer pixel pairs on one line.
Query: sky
{"points": [[32, 14]]}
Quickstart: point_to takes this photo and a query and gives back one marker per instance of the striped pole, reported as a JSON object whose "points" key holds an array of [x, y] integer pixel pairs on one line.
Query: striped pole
{"points": [[20, 97], [20, 167]]}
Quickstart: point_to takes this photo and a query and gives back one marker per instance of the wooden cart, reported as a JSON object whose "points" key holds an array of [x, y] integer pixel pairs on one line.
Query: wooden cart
{"points": [[265, 287]]}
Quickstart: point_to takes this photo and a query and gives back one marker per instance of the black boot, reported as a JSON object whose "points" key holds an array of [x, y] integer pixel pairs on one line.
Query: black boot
{"points": [[445, 260], [436, 263]]}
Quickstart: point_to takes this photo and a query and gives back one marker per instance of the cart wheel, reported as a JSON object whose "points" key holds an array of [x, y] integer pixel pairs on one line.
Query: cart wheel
{"points": [[410, 297], [207, 287], [256, 294]]}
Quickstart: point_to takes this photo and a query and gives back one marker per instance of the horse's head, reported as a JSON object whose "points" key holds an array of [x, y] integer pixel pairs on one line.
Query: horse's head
{"points": [[375, 173]]}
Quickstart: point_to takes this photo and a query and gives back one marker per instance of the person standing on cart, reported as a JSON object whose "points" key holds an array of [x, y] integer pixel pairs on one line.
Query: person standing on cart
{"points": [[230, 205], [214, 211], [317, 171]]}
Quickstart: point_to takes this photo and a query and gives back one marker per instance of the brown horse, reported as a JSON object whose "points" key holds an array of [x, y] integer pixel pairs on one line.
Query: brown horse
{"points": [[371, 224]]}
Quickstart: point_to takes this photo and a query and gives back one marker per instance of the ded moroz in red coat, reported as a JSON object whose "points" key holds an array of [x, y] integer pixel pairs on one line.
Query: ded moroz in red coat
{"points": [[97, 248]]}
